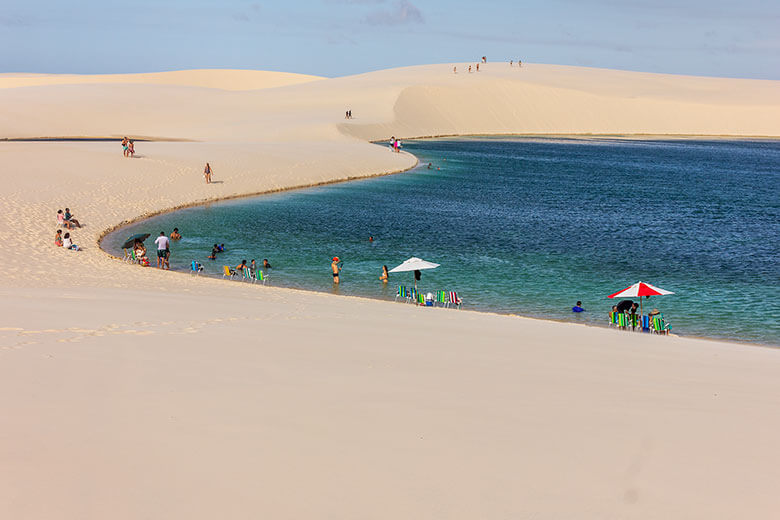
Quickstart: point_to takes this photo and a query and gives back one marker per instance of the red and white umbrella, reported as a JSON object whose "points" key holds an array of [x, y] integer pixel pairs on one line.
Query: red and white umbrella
{"points": [[640, 289]]}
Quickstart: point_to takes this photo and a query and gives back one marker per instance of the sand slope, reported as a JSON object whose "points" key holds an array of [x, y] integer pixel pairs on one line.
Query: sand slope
{"points": [[134, 393], [226, 79]]}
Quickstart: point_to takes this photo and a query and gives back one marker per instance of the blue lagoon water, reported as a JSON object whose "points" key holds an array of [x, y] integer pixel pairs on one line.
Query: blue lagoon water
{"points": [[529, 226]]}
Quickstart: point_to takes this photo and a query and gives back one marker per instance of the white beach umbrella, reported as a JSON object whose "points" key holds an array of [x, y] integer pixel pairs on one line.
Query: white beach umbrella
{"points": [[414, 264]]}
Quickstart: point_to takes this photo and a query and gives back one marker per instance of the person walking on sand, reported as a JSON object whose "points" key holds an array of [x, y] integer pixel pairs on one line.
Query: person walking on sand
{"points": [[469, 69], [207, 173], [336, 269], [455, 70], [477, 67], [125, 142], [131, 148], [163, 245]]}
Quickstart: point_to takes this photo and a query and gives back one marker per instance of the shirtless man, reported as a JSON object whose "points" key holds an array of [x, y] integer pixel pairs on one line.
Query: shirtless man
{"points": [[334, 266]]}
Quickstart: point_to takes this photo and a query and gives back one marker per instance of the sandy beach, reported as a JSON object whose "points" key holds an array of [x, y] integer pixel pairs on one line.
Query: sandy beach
{"points": [[131, 393]]}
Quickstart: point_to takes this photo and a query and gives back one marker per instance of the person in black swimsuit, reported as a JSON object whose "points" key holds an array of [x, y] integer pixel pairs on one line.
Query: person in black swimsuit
{"points": [[336, 269]]}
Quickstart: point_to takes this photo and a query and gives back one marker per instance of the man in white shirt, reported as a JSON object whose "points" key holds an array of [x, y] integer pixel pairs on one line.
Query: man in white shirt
{"points": [[163, 245]]}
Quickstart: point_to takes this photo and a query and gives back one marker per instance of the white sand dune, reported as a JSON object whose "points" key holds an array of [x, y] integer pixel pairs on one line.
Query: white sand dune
{"points": [[134, 393], [225, 79]]}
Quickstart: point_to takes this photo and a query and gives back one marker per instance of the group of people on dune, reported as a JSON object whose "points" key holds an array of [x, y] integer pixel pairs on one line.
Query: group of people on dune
{"points": [[65, 220]]}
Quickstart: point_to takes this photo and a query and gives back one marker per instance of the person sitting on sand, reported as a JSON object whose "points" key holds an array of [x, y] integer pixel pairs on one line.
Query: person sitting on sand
{"points": [[385, 274], [175, 235], [60, 218], [336, 269], [140, 249], [69, 220], [67, 243], [266, 265], [578, 308], [58, 238]]}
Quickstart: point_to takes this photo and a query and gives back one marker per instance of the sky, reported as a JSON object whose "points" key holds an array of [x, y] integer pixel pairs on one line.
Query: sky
{"points": [[344, 37]]}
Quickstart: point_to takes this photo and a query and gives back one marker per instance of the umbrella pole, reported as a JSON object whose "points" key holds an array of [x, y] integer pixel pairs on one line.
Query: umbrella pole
{"points": [[640, 306]]}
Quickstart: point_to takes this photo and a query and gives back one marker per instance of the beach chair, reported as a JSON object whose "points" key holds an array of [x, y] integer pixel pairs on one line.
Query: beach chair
{"points": [[454, 300], [659, 325], [246, 275], [645, 323], [441, 298], [227, 272], [412, 295], [622, 320], [128, 255], [420, 299], [403, 292], [260, 276], [633, 321], [195, 267]]}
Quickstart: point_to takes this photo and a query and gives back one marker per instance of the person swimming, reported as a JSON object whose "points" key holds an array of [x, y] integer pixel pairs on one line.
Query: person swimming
{"points": [[578, 307], [385, 275]]}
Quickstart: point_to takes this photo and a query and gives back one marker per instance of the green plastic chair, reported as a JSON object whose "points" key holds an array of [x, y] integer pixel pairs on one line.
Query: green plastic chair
{"points": [[622, 320], [421, 298], [441, 297], [660, 326], [260, 276]]}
